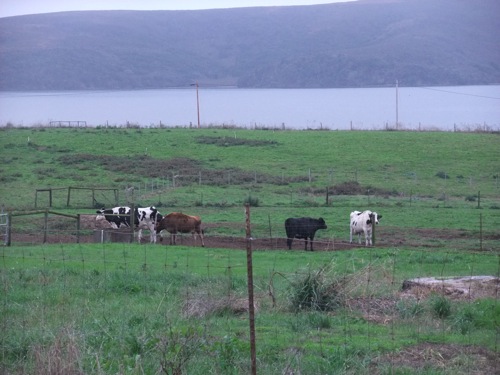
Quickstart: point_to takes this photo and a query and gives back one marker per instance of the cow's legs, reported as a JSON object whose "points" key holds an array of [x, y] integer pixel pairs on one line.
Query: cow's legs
{"points": [[289, 243], [152, 236], [200, 233], [152, 233], [173, 239], [368, 238]]}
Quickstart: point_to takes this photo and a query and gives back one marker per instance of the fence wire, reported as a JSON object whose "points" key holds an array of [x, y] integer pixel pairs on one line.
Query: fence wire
{"points": [[120, 307]]}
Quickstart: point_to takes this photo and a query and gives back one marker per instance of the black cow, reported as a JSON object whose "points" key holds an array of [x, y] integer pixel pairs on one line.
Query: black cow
{"points": [[302, 227]]}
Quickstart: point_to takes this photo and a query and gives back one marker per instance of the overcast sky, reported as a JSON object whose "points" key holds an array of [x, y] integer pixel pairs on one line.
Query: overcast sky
{"points": [[19, 7]]}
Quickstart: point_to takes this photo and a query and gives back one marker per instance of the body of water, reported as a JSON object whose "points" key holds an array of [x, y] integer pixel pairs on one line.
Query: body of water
{"points": [[425, 108]]}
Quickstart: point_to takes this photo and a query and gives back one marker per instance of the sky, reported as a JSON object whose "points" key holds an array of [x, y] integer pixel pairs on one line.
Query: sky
{"points": [[20, 7]]}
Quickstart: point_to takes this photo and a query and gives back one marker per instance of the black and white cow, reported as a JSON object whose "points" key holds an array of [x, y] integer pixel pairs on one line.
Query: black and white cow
{"points": [[144, 218], [302, 227], [361, 222], [147, 218], [117, 216]]}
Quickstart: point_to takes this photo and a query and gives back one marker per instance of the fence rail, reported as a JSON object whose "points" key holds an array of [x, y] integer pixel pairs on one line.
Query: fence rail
{"points": [[68, 123], [48, 226]]}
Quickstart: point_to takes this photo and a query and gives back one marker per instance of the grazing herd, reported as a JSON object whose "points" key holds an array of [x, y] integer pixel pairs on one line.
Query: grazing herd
{"points": [[305, 228]]}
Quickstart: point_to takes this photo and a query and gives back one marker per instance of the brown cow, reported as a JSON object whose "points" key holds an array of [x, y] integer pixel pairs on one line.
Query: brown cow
{"points": [[177, 222]]}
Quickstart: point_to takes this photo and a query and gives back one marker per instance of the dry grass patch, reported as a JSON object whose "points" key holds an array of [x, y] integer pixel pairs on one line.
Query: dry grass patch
{"points": [[446, 358], [201, 305]]}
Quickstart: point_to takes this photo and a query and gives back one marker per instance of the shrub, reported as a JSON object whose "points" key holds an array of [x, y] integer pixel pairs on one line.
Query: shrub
{"points": [[251, 201], [464, 320], [316, 291], [441, 306], [409, 309]]}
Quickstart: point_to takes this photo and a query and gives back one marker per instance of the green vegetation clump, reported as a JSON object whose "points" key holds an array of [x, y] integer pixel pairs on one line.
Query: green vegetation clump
{"points": [[316, 290]]}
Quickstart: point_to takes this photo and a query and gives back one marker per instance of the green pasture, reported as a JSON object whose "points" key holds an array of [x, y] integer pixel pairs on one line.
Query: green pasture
{"points": [[124, 308], [140, 309], [273, 167]]}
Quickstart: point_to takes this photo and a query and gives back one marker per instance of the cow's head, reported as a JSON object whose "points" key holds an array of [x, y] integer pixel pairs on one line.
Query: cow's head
{"points": [[374, 217], [101, 211], [322, 224]]}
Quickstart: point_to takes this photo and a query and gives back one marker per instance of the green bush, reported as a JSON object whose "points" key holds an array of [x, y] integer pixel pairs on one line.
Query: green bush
{"points": [[317, 291], [251, 201], [440, 306]]}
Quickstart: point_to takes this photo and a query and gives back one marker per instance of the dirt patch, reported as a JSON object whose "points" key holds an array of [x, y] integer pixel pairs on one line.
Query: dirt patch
{"points": [[375, 310], [201, 305], [64, 232], [452, 358]]}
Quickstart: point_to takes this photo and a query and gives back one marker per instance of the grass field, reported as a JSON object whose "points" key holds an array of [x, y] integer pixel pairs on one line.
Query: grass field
{"points": [[275, 167], [148, 309], [128, 308]]}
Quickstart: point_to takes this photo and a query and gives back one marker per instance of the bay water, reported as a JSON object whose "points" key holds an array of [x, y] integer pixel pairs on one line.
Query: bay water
{"points": [[466, 108]]}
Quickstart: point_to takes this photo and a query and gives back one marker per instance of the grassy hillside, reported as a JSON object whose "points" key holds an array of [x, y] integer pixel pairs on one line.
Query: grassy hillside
{"points": [[228, 165]]}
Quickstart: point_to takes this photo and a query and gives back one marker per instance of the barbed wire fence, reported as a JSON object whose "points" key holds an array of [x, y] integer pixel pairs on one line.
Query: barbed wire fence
{"points": [[325, 309]]}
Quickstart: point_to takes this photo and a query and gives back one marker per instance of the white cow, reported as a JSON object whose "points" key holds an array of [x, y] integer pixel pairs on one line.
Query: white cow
{"points": [[144, 218], [361, 222]]}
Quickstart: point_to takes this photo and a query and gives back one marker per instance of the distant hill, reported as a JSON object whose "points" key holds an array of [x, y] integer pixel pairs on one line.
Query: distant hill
{"points": [[355, 44]]}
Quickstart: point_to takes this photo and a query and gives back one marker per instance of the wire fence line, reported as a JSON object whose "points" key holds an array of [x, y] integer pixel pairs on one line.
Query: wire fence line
{"points": [[340, 308], [268, 232], [318, 183]]}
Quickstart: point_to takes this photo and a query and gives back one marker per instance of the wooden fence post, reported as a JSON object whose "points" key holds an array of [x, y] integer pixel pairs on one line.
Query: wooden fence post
{"points": [[372, 217], [251, 310], [69, 196], [45, 226], [78, 227], [9, 229], [481, 232], [132, 222]]}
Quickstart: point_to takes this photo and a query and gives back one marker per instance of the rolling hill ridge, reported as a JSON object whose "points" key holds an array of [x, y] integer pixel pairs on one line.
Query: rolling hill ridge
{"points": [[357, 44]]}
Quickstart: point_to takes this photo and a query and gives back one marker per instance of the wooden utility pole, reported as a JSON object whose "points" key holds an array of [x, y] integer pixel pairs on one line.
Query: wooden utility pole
{"points": [[397, 105], [198, 104]]}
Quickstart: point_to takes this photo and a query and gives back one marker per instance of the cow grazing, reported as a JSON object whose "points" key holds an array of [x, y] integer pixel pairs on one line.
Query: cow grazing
{"points": [[144, 218], [177, 222], [303, 227], [361, 222]]}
